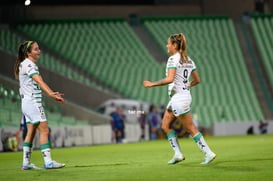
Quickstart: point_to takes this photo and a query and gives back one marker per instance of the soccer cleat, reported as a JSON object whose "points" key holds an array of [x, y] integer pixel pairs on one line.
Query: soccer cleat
{"points": [[30, 166], [176, 159], [53, 165], [209, 158]]}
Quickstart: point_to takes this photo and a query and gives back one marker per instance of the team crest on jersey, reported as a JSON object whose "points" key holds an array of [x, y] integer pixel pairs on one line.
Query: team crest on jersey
{"points": [[29, 65], [171, 63], [30, 70]]}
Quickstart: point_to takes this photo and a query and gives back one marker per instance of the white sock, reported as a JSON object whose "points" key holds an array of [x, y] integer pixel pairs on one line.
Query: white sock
{"points": [[26, 153], [174, 143], [201, 143], [45, 149]]}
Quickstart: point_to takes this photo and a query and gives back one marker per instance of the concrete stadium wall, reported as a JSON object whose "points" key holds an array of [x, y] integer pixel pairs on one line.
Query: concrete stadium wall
{"points": [[69, 136], [238, 127]]}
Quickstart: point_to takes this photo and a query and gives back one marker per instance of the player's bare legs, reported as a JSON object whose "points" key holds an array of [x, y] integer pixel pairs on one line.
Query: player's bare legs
{"points": [[187, 122], [31, 131], [167, 120], [44, 131]]}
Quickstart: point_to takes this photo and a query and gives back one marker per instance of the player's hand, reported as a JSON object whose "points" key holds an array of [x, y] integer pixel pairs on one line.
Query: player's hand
{"points": [[189, 84], [147, 83], [58, 96]]}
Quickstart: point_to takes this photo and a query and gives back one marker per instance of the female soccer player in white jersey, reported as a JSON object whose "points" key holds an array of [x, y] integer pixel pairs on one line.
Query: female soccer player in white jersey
{"points": [[178, 71], [31, 84]]}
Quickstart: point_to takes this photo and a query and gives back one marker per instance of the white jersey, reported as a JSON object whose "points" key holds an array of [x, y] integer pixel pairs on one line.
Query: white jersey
{"points": [[28, 87], [183, 72]]}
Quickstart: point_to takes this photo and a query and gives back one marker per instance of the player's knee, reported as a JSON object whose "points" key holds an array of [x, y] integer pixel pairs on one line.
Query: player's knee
{"points": [[165, 128], [191, 129]]}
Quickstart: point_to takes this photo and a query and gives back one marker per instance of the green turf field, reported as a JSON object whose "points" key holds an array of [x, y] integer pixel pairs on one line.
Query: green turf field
{"points": [[238, 158]]}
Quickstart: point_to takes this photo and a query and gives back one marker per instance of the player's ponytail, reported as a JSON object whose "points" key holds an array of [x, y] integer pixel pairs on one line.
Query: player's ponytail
{"points": [[183, 48], [180, 40], [22, 54]]}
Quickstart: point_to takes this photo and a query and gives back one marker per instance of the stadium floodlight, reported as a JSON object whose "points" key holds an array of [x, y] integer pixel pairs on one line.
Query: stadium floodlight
{"points": [[27, 2]]}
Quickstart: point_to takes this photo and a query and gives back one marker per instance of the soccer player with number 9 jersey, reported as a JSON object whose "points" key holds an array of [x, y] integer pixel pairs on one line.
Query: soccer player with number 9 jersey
{"points": [[179, 69]]}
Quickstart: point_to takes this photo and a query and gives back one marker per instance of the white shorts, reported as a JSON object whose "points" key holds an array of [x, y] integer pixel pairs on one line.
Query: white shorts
{"points": [[33, 112], [180, 104]]}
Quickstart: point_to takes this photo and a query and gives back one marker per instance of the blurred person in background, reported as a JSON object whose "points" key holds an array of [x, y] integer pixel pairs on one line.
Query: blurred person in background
{"points": [[118, 125], [154, 122], [31, 86], [263, 127], [23, 129], [142, 119], [179, 69]]}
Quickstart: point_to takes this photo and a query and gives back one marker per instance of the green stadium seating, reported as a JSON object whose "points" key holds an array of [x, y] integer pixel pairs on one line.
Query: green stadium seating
{"points": [[11, 117], [10, 42], [111, 52], [107, 50]]}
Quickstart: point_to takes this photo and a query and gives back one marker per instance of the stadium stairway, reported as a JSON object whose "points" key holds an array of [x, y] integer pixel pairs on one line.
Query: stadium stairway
{"points": [[154, 49], [262, 29], [255, 67]]}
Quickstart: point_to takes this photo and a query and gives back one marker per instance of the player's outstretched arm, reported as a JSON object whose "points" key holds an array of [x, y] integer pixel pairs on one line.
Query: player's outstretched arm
{"points": [[55, 95], [167, 80]]}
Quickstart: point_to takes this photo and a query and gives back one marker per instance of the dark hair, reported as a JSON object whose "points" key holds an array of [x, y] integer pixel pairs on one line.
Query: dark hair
{"points": [[22, 54], [151, 108], [180, 40]]}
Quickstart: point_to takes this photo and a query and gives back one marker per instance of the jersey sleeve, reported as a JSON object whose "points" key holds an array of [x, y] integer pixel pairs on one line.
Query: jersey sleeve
{"points": [[194, 66], [171, 64], [31, 69]]}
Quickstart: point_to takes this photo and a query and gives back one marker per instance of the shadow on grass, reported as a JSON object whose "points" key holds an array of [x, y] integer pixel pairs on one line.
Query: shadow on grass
{"points": [[101, 165]]}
